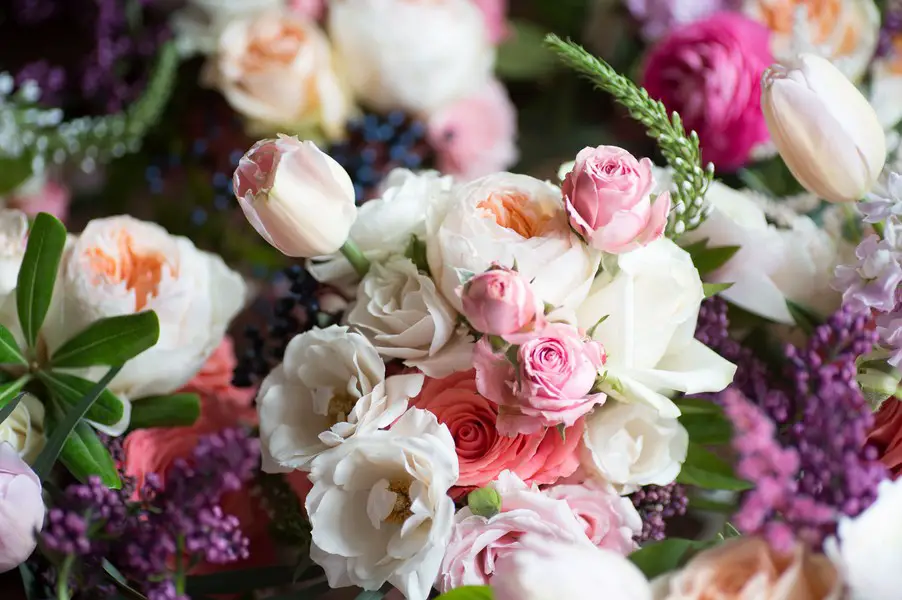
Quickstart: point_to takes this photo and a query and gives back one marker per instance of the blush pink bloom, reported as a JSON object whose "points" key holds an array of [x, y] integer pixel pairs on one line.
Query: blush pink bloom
{"points": [[21, 509], [483, 453], [557, 371], [314, 10], [608, 198], [710, 72], [499, 302], [494, 12], [478, 543], [886, 436], [51, 198], [214, 380], [610, 520], [475, 136]]}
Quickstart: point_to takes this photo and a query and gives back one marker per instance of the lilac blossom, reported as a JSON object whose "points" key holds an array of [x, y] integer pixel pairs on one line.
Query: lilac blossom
{"points": [[873, 281], [656, 505], [660, 16], [885, 201]]}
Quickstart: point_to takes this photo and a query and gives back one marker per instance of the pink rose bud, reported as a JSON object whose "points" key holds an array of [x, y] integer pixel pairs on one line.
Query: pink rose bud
{"points": [[297, 197], [21, 509], [499, 302], [608, 198]]}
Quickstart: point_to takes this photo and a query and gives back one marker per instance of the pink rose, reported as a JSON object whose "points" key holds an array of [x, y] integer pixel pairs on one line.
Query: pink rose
{"points": [[553, 384], [499, 302], [482, 452], [475, 136], [494, 12], [608, 198], [710, 72], [51, 198], [478, 543], [610, 520], [214, 380], [314, 10]]}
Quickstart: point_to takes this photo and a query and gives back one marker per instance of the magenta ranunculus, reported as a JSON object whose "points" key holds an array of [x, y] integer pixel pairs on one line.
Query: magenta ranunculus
{"points": [[499, 301], [608, 198], [557, 371], [710, 72], [611, 520]]}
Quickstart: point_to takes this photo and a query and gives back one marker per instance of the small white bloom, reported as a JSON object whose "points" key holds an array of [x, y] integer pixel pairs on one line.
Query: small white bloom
{"points": [[330, 386], [507, 218], [379, 508], [631, 445], [23, 429], [415, 56], [867, 549], [404, 315], [385, 225], [651, 301]]}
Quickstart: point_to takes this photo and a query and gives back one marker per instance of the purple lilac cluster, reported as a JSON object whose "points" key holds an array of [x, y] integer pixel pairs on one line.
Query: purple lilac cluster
{"points": [[890, 28], [95, 55], [660, 16], [142, 536], [656, 505]]}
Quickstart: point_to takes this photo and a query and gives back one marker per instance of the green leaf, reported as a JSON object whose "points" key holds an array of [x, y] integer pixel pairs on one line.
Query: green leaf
{"points": [[657, 558], [14, 171], [239, 581], [712, 289], [111, 341], [10, 354], [707, 429], [524, 55], [706, 470], [804, 318], [84, 455], [10, 395], [468, 592], [108, 410], [44, 463], [416, 252], [698, 406], [711, 259], [176, 410], [37, 275], [121, 582]]}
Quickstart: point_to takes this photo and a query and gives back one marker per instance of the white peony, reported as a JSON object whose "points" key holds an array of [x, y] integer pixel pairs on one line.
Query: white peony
{"points": [[772, 265], [23, 429], [379, 508], [867, 549], [405, 316], [631, 445], [120, 265], [650, 304], [385, 225], [330, 385], [507, 218], [414, 56], [198, 23]]}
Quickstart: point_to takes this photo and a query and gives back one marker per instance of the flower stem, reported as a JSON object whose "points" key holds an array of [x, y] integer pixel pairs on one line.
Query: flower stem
{"points": [[62, 579], [360, 262], [180, 566]]}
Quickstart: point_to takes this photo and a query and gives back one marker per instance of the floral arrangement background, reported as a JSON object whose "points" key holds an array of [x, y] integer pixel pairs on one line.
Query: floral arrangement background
{"points": [[667, 372]]}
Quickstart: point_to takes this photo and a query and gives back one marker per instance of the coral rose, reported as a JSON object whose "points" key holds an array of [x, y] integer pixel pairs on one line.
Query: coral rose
{"points": [[887, 435], [710, 72], [482, 452], [214, 380]]}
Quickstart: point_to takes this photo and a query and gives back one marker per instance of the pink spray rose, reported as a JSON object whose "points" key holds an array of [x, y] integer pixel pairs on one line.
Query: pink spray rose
{"points": [[608, 198], [557, 371], [494, 12], [610, 520], [499, 302], [482, 452], [710, 72], [475, 136], [477, 542]]}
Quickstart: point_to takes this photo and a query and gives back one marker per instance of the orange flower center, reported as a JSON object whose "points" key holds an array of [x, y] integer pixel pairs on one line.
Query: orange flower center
{"points": [[141, 271], [273, 43], [823, 18], [894, 61], [514, 211]]}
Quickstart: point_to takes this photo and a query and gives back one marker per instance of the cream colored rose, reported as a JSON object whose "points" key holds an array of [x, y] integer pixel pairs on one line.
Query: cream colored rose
{"points": [[23, 429], [748, 569], [276, 68], [845, 31], [198, 23]]}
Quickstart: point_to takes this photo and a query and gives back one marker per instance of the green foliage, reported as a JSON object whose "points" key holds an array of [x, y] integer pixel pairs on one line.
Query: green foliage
{"points": [[290, 525], [108, 342], [682, 152], [708, 429], [416, 252], [37, 275], [708, 259], [69, 389], [175, 410], [14, 171], [712, 289], [9, 394], [706, 470], [524, 55], [10, 354], [12, 400], [468, 592], [697, 406], [658, 558], [805, 319], [84, 455]]}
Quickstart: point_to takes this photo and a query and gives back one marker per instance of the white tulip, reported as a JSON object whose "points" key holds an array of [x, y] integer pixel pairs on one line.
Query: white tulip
{"points": [[824, 128], [296, 196]]}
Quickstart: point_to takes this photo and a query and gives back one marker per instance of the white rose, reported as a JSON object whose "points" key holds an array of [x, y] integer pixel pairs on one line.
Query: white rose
{"points": [[415, 56], [507, 218], [330, 386], [384, 225], [23, 429], [772, 265], [276, 68], [651, 301], [867, 549], [120, 265], [631, 445], [197, 25], [549, 569], [405, 316], [379, 508]]}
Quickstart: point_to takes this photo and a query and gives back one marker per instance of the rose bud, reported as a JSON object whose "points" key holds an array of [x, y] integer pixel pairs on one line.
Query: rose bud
{"points": [[499, 302], [825, 129], [296, 196], [21, 508], [608, 198]]}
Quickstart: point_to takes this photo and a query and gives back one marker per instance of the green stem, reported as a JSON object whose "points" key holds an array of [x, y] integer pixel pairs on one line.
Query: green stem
{"points": [[360, 262], [878, 229], [180, 566], [62, 581]]}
